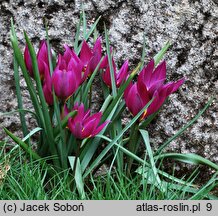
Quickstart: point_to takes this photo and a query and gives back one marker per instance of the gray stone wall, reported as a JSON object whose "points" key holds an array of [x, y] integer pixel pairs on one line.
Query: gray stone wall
{"points": [[191, 26]]}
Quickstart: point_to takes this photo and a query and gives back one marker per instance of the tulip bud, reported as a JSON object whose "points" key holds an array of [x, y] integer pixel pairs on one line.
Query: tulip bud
{"points": [[66, 77], [42, 57]]}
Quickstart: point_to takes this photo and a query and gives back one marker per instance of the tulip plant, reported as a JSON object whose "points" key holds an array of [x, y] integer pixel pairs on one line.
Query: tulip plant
{"points": [[74, 137]]}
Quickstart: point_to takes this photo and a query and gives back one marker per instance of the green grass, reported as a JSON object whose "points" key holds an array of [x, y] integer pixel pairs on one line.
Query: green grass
{"points": [[27, 180]]}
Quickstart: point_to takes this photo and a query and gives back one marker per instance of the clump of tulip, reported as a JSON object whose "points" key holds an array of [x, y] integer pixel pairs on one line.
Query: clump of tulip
{"points": [[73, 129], [78, 130], [67, 83]]}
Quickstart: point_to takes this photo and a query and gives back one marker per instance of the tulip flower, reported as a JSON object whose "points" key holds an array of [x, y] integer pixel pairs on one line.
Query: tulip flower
{"points": [[119, 77], [66, 77], [42, 57], [90, 57], [84, 125], [47, 86], [150, 84]]}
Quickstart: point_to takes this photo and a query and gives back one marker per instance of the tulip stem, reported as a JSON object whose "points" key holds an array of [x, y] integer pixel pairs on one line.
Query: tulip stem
{"points": [[62, 143], [133, 144], [78, 144]]}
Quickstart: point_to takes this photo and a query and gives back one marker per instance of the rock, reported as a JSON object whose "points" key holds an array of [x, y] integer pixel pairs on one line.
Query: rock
{"points": [[190, 25]]}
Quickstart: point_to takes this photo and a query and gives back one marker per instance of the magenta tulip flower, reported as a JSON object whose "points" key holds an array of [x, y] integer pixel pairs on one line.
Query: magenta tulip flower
{"points": [[119, 77], [90, 57], [84, 125], [47, 86], [150, 84], [67, 74], [42, 57]]}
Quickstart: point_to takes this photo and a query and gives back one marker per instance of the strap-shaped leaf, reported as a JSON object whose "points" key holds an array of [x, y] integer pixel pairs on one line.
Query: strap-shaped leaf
{"points": [[189, 158], [78, 175]]}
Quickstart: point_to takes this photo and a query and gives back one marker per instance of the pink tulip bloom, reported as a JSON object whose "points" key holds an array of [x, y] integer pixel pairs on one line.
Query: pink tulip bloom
{"points": [[47, 86], [67, 74], [119, 77], [90, 57], [150, 84], [42, 57], [84, 125]]}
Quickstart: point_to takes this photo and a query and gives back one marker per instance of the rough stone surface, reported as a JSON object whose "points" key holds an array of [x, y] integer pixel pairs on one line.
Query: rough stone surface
{"points": [[191, 26]]}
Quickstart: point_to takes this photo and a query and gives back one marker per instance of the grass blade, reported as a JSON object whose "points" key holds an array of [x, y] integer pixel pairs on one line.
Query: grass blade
{"points": [[189, 158], [88, 34], [161, 53], [76, 41], [144, 163], [19, 98], [35, 130], [19, 110], [92, 28], [23, 145], [78, 175], [145, 137], [84, 23], [113, 82], [204, 191]]}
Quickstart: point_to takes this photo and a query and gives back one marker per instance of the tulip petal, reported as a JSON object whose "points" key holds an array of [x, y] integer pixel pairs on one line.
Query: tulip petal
{"points": [[143, 92], [80, 112], [155, 105], [28, 61], [67, 54], [122, 74], [95, 117], [66, 110], [42, 56], [74, 66], [133, 100], [104, 62], [158, 74], [47, 78], [155, 86], [65, 83], [77, 131], [48, 95], [107, 77], [177, 84], [97, 47], [99, 128], [83, 125], [126, 93], [146, 73], [88, 128], [85, 53]]}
